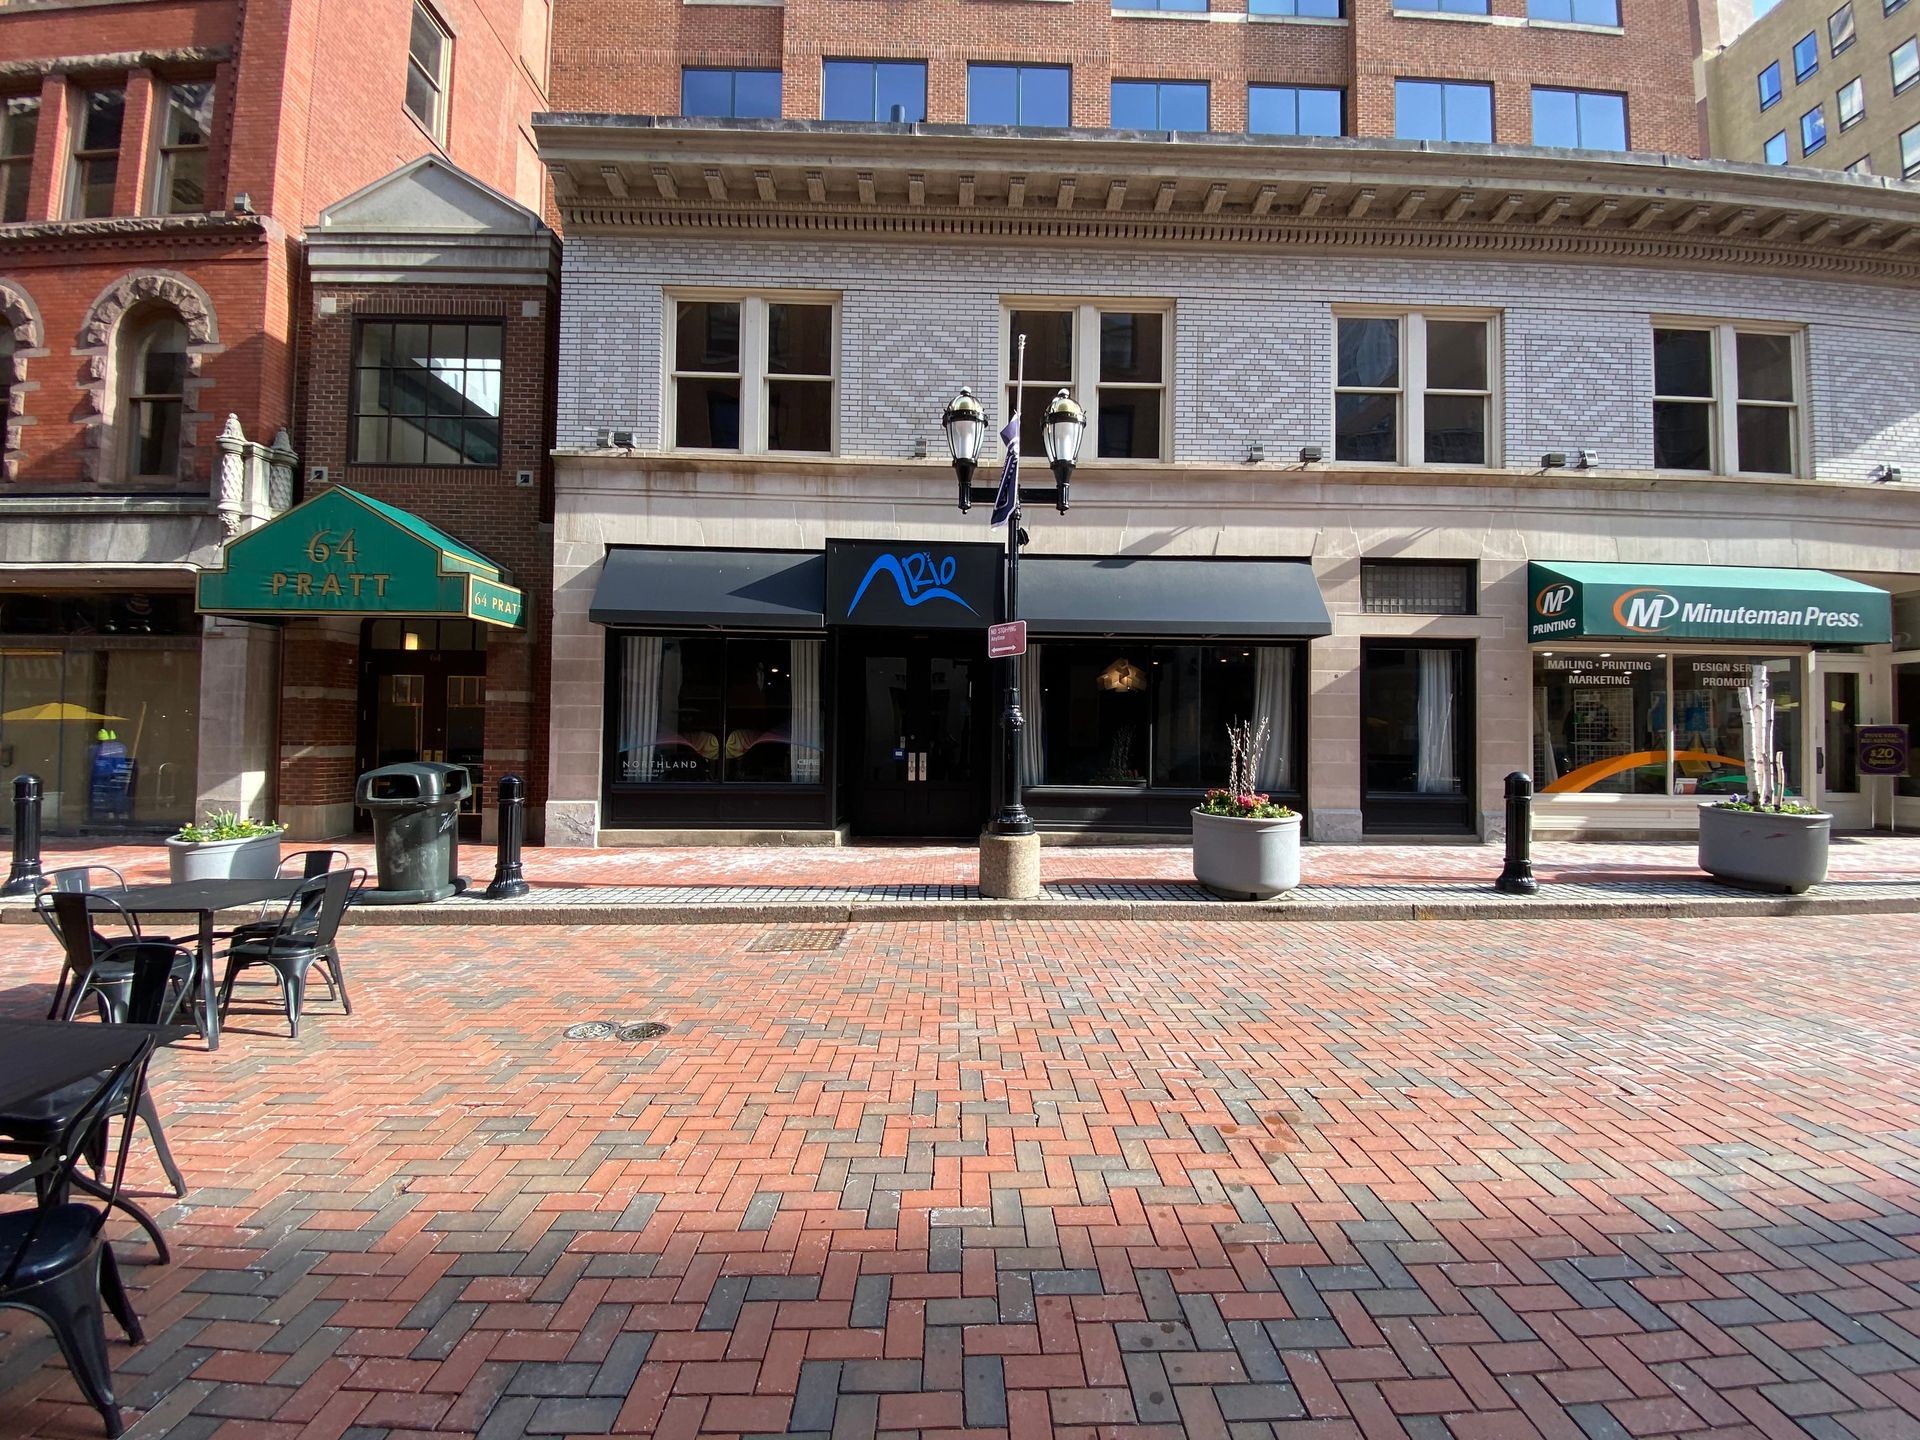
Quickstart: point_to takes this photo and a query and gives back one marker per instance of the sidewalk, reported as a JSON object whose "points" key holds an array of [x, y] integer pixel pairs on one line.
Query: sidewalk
{"points": [[1876, 874]]}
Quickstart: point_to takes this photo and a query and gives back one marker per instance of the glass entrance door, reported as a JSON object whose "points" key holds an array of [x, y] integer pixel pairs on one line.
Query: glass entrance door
{"points": [[920, 751], [423, 697], [1416, 739], [1848, 698]]}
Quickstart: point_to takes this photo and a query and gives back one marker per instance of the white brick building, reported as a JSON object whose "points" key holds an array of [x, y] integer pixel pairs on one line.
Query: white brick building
{"points": [[1433, 320]]}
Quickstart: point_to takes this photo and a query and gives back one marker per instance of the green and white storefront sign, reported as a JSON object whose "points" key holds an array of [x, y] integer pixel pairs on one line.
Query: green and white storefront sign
{"points": [[1568, 601]]}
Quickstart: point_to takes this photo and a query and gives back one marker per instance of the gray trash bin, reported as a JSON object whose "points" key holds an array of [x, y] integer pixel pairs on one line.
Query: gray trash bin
{"points": [[416, 830]]}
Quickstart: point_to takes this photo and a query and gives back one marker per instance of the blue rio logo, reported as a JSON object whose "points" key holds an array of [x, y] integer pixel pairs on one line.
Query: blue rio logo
{"points": [[918, 579]]}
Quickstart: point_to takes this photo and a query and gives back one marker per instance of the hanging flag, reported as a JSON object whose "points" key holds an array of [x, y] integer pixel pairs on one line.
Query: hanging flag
{"points": [[1008, 500]]}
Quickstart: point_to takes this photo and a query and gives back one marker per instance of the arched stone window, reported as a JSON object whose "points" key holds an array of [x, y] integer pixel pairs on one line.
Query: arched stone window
{"points": [[19, 341], [153, 364]]}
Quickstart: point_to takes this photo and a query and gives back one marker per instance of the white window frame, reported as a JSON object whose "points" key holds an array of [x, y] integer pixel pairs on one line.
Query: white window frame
{"points": [[753, 375], [1724, 432], [442, 83], [163, 152], [1859, 89], [1413, 388], [1085, 382]]}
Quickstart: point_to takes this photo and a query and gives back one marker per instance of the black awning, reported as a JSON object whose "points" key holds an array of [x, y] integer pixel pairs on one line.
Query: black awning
{"points": [[1247, 599], [712, 589]]}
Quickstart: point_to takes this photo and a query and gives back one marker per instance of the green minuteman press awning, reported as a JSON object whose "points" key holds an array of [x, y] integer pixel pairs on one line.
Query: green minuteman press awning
{"points": [[1572, 601], [344, 553]]}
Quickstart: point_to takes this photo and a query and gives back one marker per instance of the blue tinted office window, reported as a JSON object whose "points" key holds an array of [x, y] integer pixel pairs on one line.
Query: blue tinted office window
{"points": [[1159, 105], [1311, 9], [871, 89], [1806, 55], [1018, 95], [1580, 119], [1770, 86], [1160, 4], [1445, 7], [1294, 110], [1575, 12], [1443, 110], [735, 94], [1813, 130], [1775, 151]]}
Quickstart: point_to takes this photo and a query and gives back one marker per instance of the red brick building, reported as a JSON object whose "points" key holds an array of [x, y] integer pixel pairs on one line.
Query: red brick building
{"points": [[163, 166]]}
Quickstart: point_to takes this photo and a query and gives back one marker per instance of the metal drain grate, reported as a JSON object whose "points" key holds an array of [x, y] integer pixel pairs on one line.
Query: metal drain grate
{"points": [[792, 940], [612, 1030]]}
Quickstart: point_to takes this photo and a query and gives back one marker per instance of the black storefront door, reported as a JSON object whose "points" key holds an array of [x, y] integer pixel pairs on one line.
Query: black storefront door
{"points": [[1417, 740], [917, 715], [424, 703]]}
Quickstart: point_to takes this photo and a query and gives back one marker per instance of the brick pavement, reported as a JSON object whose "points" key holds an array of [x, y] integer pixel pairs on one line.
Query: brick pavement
{"points": [[1100, 1180]]}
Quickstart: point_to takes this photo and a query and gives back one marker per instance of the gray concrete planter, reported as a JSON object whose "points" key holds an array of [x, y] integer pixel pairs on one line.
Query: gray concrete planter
{"points": [[1763, 850], [255, 858], [1246, 859]]}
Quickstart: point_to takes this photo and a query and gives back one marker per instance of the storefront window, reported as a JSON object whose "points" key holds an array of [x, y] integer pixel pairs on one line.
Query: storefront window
{"points": [[1131, 715], [1906, 711], [706, 709], [1600, 724]]}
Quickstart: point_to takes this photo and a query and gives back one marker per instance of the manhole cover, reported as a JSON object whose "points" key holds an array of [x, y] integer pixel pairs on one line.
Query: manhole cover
{"points": [[611, 1030], [813, 938]]}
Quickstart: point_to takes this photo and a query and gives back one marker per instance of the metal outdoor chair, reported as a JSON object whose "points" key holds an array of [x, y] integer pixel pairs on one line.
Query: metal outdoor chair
{"points": [[158, 981], [87, 961], [303, 865], [303, 938], [54, 1260]]}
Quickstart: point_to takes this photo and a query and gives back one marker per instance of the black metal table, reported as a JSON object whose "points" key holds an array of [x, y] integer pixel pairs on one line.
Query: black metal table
{"points": [[38, 1057], [204, 899]]}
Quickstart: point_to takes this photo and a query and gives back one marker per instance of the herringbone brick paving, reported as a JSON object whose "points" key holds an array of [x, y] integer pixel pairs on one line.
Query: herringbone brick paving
{"points": [[1480, 1179]]}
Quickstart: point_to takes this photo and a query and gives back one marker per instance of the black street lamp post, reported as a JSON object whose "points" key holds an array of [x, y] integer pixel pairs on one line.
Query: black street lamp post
{"points": [[1062, 431]]}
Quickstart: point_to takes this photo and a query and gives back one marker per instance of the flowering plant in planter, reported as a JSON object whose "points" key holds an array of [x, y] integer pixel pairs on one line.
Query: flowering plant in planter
{"points": [[224, 846], [1762, 838], [225, 825], [1244, 805], [1244, 844]]}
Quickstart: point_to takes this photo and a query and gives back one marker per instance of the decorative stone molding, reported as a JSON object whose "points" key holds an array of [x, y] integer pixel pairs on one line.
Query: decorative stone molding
{"points": [[95, 345], [18, 314], [254, 482], [213, 227], [118, 61]]}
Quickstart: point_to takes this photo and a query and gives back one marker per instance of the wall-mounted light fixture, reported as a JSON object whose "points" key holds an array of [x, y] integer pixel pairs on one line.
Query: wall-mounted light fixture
{"points": [[1256, 452], [1883, 473], [1586, 459], [1310, 454], [1554, 460]]}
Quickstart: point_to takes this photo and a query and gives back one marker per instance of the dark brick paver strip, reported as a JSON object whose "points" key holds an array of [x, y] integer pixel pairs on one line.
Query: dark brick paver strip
{"points": [[1476, 1180]]}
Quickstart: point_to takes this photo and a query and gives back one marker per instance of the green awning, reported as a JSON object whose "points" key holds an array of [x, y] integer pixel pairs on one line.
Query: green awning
{"points": [[1572, 601], [344, 553]]}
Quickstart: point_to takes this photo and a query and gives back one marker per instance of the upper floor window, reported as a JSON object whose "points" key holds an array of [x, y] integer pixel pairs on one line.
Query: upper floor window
{"points": [[1910, 152], [1840, 29], [1887, 7], [1698, 424], [1444, 7], [1121, 355], [1160, 4], [1905, 60], [1295, 110], [1576, 12], [1774, 152], [754, 373], [19, 128], [99, 115], [429, 53], [427, 392], [1862, 166], [1851, 103], [1159, 105], [1019, 95], [874, 90], [1770, 86], [1813, 130], [1806, 55], [730, 94], [1306, 9], [1580, 119], [155, 356], [1443, 110], [1414, 389], [181, 178]]}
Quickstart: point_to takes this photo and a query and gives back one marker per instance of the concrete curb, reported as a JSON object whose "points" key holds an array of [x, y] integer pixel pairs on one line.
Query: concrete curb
{"points": [[1490, 906]]}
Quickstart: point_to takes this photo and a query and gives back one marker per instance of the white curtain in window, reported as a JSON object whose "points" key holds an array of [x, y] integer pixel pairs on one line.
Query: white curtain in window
{"points": [[1033, 735], [1273, 703], [639, 707], [1437, 774], [804, 732]]}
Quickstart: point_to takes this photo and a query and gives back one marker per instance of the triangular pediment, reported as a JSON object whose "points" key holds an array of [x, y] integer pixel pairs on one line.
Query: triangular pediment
{"points": [[427, 196]]}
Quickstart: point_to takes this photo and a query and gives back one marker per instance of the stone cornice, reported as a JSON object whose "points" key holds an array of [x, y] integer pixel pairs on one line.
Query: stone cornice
{"points": [[216, 228], [186, 57], [614, 173]]}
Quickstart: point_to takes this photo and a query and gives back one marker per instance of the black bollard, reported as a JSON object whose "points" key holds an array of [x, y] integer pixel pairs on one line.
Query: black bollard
{"points": [[24, 877], [1517, 877], [509, 883]]}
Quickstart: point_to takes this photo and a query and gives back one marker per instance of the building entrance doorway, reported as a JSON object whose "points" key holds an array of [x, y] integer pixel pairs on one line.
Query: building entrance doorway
{"points": [[423, 697], [1416, 738], [1852, 695], [916, 715]]}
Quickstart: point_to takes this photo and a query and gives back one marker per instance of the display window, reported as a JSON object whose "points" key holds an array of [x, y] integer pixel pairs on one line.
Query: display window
{"points": [[712, 709], [1612, 723]]}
